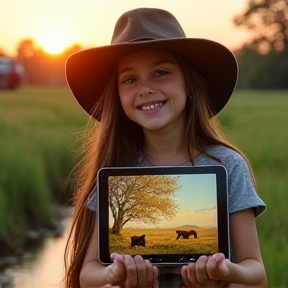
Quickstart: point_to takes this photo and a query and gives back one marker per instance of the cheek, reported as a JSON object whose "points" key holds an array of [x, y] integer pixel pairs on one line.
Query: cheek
{"points": [[122, 95], [125, 100], [178, 93]]}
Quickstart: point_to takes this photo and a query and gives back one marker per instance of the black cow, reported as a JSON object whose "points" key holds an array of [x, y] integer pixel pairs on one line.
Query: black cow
{"points": [[138, 240]]}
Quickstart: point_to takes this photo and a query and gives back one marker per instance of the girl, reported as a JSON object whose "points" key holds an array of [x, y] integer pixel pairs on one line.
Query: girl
{"points": [[155, 95]]}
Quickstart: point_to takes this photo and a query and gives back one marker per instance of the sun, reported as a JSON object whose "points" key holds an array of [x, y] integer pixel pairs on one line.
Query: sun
{"points": [[53, 47], [52, 43]]}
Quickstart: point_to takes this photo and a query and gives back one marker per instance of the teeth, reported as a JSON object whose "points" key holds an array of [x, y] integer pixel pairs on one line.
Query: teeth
{"points": [[152, 106]]}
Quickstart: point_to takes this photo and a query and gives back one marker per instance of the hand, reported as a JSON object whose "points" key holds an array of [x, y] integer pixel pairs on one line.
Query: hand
{"points": [[208, 271], [116, 272], [131, 272]]}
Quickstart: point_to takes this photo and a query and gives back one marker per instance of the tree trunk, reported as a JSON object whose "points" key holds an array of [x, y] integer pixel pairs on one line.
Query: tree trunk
{"points": [[116, 229]]}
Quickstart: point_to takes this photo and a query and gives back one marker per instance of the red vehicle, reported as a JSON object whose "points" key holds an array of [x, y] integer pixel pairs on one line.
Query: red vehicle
{"points": [[11, 72]]}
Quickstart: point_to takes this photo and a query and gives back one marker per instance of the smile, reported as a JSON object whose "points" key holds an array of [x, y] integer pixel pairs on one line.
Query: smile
{"points": [[151, 106]]}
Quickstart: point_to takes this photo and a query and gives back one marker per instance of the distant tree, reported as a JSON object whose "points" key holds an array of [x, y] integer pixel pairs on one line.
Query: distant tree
{"points": [[42, 67], [31, 57], [268, 19], [262, 71], [142, 198], [26, 48]]}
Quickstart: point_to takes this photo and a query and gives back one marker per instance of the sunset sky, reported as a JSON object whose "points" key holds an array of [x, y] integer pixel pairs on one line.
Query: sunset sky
{"points": [[196, 200], [55, 24]]}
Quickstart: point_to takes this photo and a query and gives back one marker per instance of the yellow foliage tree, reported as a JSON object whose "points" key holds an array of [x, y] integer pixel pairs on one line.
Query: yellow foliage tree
{"points": [[145, 198]]}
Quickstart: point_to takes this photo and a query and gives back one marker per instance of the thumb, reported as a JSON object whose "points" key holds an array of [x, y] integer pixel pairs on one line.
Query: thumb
{"points": [[221, 263]]}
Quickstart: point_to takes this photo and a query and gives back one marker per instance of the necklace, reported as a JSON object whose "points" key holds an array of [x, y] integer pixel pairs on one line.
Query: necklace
{"points": [[152, 163]]}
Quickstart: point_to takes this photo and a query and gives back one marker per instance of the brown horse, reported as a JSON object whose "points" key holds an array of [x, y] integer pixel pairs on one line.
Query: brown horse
{"points": [[186, 234]]}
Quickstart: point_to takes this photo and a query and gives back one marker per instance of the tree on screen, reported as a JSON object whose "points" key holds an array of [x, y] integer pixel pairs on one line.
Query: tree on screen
{"points": [[145, 198]]}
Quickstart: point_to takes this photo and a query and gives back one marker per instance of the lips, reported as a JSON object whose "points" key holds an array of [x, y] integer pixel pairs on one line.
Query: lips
{"points": [[151, 105]]}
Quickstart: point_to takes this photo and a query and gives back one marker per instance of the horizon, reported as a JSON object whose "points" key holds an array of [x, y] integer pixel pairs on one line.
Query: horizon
{"points": [[54, 25]]}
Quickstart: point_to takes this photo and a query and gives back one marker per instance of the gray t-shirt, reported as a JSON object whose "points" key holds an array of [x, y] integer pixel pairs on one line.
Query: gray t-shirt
{"points": [[241, 193], [241, 190]]}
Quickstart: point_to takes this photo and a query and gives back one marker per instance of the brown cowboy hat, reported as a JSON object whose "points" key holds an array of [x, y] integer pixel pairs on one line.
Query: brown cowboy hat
{"points": [[87, 71]]}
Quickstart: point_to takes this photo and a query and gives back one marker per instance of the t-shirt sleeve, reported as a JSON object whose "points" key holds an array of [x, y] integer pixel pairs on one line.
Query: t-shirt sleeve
{"points": [[92, 202], [242, 192]]}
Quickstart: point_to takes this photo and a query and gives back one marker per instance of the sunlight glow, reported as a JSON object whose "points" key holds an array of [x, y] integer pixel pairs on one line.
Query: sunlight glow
{"points": [[52, 42]]}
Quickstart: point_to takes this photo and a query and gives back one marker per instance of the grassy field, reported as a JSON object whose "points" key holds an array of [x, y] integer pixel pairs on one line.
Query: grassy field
{"points": [[163, 241], [257, 122], [40, 127]]}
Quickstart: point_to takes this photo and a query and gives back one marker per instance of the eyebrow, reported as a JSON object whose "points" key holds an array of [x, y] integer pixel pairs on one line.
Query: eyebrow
{"points": [[156, 63]]}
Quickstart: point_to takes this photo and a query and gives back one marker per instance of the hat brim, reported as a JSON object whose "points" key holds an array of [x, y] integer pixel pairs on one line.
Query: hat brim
{"points": [[87, 71]]}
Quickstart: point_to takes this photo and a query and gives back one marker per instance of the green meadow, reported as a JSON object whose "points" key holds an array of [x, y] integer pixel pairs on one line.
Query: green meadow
{"points": [[40, 130]]}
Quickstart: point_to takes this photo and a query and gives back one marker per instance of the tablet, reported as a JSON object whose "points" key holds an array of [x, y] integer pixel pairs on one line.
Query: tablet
{"points": [[170, 214]]}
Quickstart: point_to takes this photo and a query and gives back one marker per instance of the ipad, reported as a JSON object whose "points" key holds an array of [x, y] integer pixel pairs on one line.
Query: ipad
{"points": [[170, 215]]}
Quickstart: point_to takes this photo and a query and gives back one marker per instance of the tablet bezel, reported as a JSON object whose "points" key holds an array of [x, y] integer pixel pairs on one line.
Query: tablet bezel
{"points": [[167, 259]]}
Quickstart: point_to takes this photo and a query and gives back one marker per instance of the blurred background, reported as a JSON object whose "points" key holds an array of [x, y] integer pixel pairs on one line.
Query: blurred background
{"points": [[41, 124]]}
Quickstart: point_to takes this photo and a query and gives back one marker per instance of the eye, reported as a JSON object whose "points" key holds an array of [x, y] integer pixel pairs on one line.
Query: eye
{"points": [[160, 73], [129, 80]]}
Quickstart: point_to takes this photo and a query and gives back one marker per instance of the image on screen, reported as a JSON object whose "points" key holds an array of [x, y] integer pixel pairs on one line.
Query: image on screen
{"points": [[163, 214]]}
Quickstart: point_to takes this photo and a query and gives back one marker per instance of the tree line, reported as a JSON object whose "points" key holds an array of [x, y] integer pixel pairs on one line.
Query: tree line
{"points": [[42, 67], [263, 60]]}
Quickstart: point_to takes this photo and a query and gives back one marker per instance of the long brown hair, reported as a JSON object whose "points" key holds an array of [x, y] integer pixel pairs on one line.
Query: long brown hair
{"points": [[202, 127], [116, 141]]}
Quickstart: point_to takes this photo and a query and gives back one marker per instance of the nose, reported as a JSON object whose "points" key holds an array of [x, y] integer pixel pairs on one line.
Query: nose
{"points": [[145, 90]]}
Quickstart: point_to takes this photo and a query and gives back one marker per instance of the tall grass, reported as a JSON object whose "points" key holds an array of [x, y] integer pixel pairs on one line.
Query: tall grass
{"points": [[38, 131], [257, 123], [38, 127]]}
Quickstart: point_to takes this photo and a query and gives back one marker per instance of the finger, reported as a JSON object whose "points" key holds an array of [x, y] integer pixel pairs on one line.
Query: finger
{"points": [[113, 256], [116, 272], [141, 271], [200, 268], [149, 274], [155, 272], [216, 266], [131, 272], [189, 275], [222, 263], [117, 258]]}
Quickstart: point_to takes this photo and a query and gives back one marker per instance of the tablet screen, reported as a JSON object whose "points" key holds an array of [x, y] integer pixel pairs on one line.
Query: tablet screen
{"points": [[169, 215]]}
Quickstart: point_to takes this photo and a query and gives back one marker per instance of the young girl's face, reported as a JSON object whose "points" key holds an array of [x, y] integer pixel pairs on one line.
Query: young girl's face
{"points": [[152, 89]]}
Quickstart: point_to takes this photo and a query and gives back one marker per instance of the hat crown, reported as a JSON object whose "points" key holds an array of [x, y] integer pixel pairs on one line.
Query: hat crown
{"points": [[146, 24]]}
